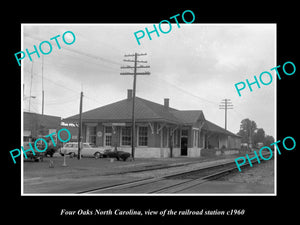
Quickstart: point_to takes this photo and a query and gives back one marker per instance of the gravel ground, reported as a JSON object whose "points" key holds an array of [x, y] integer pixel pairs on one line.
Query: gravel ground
{"points": [[262, 173], [89, 173]]}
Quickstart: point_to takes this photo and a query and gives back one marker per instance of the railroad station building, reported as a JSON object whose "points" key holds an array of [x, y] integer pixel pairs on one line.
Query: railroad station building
{"points": [[161, 131]]}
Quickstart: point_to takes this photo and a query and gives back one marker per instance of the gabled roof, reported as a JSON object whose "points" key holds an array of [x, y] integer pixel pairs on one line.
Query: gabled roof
{"points": [[122, 110], [35, 119], [209, 126], [188, 116]]}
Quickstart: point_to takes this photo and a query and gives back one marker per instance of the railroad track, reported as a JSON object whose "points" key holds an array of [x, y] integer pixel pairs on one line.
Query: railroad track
{"points": [[172, 183]]}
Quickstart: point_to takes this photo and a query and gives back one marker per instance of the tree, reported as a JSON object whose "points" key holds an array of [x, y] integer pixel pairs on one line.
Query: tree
{"points": [[247, 129], [258, 136], [268, 140]]}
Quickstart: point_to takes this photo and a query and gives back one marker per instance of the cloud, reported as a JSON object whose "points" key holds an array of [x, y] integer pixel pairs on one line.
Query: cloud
{"points": [[196, 66]]}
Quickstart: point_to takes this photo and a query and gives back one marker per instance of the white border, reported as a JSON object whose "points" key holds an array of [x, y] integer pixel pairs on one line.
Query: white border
{"points": [[22, 112], [275, 116], [211, 194]]}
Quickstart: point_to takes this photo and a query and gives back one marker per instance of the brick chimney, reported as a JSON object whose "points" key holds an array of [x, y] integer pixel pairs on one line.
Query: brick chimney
{"points": [[129, 94], [166, 103]]}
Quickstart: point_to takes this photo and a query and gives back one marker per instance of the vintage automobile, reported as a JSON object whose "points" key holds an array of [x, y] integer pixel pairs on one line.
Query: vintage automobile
{"points": [[37, 156], [71, 148], [51, 149], [116, 154]]}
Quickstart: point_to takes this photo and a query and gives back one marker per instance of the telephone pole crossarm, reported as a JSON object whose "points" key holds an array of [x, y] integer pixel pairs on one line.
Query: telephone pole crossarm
{"points": [[144, 73], [128, 60], [126, 73], [132, 67], [138, 54], [128, 55]]}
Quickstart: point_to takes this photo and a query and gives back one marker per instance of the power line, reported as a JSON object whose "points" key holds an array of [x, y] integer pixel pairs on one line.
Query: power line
{"points": [[95, 57], [100, 67], [67, 88], [63, 86], [187, 92], [63, 102], [240, 113]]}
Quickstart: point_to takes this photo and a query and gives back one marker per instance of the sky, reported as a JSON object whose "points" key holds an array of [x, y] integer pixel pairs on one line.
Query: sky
{"points": [[196, 66]]}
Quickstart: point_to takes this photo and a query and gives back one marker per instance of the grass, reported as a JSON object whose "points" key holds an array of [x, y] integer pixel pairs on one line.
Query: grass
{"points": [[87, 173]]}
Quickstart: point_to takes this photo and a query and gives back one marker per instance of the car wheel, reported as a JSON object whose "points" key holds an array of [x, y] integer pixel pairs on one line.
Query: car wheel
{"points": [[72, 154], [97, 155]]}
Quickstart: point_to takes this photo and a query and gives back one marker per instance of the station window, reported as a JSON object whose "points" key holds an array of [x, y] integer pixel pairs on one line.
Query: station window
{"points": [[176, 138], [143, 136], [91, 134], [107, 136], [126, 136], [184, 133], [195, 138]]}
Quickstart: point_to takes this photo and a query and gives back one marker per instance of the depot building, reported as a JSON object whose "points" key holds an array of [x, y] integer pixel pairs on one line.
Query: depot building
{"points": [[161, 131]]}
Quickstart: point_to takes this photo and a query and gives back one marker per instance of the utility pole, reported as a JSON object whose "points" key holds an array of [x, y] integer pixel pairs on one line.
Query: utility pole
{"points": [[30, 85], [135, 73], [251, 134], [226, 104], [79, 127], [42, 85]]}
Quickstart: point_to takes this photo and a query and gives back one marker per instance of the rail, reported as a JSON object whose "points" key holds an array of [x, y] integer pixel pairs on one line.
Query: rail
{"points": [[182, 180]]}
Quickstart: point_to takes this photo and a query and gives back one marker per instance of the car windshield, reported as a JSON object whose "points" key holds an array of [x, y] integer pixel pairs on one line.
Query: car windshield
{"points": [[71, 145]]}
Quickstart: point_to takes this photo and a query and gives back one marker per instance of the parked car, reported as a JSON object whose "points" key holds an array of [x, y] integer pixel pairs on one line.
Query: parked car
{"points": [[37, 156], [51, 150], [71, 148], [116, 154]]}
